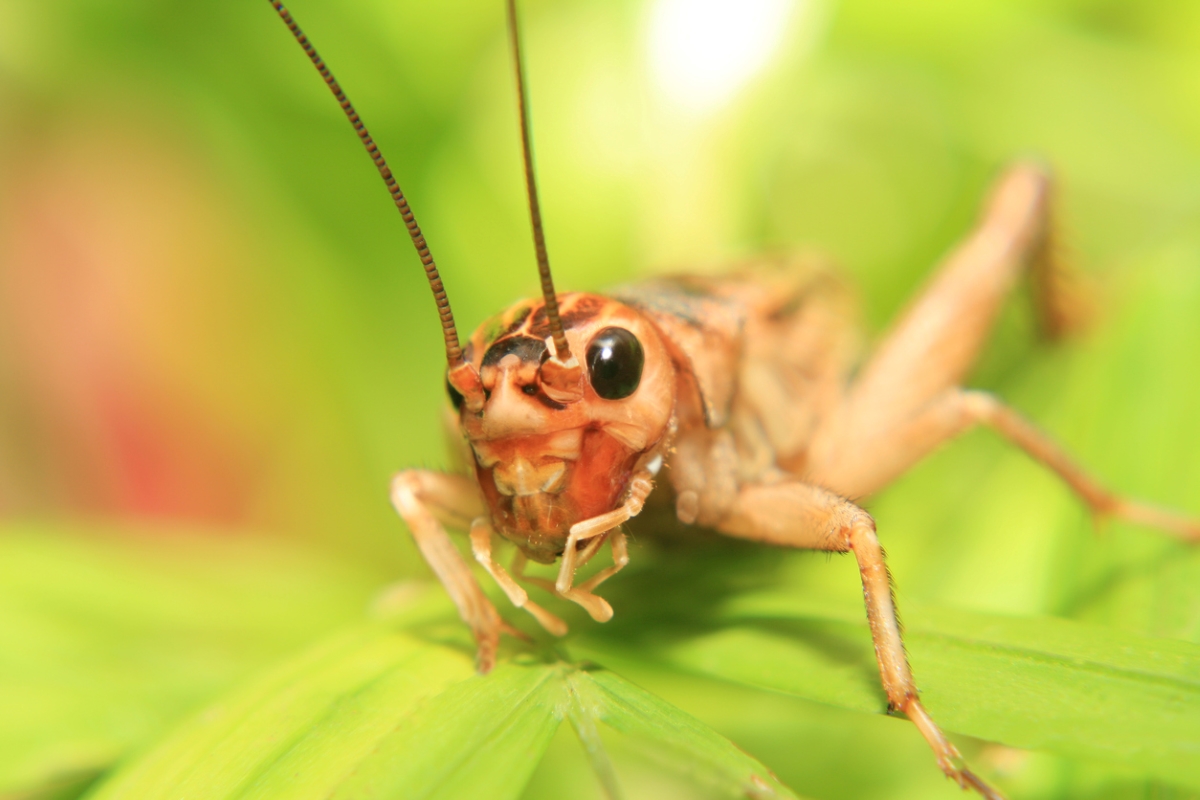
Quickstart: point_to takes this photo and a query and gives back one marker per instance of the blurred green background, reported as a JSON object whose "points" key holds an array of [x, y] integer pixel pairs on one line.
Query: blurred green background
{"points": [[216, 344]]}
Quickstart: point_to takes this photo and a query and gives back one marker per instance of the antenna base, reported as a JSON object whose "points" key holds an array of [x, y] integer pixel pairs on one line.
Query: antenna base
{"points": [[562, 381], [465, 380]]}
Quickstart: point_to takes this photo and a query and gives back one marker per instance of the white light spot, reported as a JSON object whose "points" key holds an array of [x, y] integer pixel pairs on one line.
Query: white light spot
{"points": [[703, 51]]}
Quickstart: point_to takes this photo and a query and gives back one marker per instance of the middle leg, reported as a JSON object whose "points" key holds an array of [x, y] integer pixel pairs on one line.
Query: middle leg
{"points": [[793, 514]]}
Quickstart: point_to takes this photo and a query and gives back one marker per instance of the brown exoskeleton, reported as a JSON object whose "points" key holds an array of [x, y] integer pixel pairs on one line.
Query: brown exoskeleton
{"points": [[571, 405]]}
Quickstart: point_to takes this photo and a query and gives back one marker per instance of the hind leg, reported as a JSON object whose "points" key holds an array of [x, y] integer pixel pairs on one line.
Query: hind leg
{"points": [[908, 401], [959, 410], [937, 339]]}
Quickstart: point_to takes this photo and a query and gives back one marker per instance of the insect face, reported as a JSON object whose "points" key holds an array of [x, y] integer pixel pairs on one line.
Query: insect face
{"points": [[544, 465]]}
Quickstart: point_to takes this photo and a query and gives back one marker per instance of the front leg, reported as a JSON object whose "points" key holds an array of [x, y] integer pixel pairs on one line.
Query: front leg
{"points": [[591, 533], [582, 595], [426, 500], [481, 546], [640, 486], [794, 514]]}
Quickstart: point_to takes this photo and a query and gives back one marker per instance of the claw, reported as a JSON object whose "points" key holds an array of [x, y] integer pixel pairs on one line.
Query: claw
{"points": [[488, 641], [485, 655], [969, 780], [948, 757], [956, 769]]}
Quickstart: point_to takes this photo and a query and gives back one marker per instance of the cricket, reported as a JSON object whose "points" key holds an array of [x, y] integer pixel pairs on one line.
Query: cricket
{"points": [[739, 398]]}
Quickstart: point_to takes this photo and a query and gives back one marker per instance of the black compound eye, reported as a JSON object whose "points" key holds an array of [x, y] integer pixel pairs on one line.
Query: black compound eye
{"points": [[615, 360], [456, 399]]}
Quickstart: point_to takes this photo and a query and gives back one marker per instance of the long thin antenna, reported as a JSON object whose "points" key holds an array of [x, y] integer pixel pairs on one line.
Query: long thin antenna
{"points": [[454, 354], [561, 350]]}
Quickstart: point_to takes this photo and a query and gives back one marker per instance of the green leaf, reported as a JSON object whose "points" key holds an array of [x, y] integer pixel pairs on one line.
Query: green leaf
{"points": [[379, 712], [675, 740], [107, 640], [1066, 687], [338, 717]]}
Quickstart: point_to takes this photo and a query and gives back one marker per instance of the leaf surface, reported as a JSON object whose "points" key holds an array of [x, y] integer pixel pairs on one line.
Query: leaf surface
{"points": [[108, 639], [1044, 683], [675, 740], [379, 712]]}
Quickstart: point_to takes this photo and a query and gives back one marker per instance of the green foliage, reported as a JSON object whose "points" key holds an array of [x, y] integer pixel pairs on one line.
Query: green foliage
{"points": [[382, 713], [394, 709], [107, 640], [1036, 683]]}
